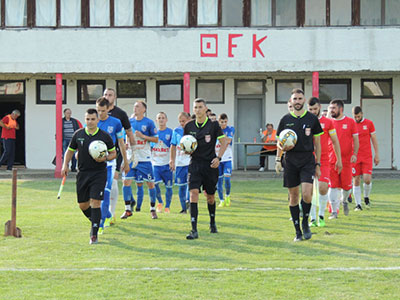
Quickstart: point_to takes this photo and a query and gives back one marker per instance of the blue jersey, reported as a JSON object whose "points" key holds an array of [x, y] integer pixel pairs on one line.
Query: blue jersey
{"points": [[182, 159], [160, 150], [113, 127], [148, 128], [229, 132]]}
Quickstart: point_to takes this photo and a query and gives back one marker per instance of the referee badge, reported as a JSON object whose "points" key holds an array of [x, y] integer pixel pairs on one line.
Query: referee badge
{"points": [[207, 137], [308, 131]]}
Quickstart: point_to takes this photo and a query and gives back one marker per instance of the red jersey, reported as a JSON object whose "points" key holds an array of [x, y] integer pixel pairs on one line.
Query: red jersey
{"points": [[365, 129], [8, 133], [346, 128], [329, 129]]}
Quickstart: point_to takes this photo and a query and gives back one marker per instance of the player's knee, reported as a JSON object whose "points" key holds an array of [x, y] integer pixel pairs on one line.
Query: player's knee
{"points": [[84, 205]]}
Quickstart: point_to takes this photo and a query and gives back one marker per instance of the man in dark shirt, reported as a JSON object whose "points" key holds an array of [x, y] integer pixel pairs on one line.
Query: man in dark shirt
{"points": [[300, 163], [92, 176], [203, 167], [70, 125]]}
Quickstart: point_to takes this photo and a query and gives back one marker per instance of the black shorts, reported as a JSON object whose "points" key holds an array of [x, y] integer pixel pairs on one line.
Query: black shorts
{"points": [[299, 167], [90, 185], [202, 175]]}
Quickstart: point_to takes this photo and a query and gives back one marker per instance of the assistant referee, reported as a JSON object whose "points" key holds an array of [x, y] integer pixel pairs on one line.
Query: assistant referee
{"points": [[92, 175], [300, 163], [203, 167]]}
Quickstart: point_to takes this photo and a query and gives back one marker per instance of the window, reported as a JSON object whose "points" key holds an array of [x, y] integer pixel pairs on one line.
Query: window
{"points": [[46, 13], [330, 89], [99, 13], [177, 12], [8, 88], [210, 90], [123, 12], [283, 89], [232, 12], [261, 13], [376, 88], [153, 13], [392, 12], [70, 12], [315, 13], [46, 92], [207, 12], [131, 89], [170, 92], [340, 12], [255, 87], [285, 13], [16, 13], [90, 90], [370, 12]]}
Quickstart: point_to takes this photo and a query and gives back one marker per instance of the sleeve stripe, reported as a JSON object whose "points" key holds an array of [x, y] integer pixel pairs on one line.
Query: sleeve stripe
{"points": [[221, 136], [112, 149], [70, 149], [319, 134]]}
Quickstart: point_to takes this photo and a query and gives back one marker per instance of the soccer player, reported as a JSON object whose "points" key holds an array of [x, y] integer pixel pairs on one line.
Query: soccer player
{"points": [[203, 168], [179, 161], [366, 135], [300, 163], [120, 114], [92, 175], [225, 166], [347, 134], [145, 133], [314, 107], [160, 160], [113, 127]]}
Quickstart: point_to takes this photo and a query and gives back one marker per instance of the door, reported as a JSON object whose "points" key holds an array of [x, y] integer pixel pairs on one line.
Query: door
{"points": [[249, 120], [380, 112]]}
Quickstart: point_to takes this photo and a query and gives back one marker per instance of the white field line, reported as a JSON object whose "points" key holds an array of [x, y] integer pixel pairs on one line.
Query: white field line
{"points": [[337, 269]]}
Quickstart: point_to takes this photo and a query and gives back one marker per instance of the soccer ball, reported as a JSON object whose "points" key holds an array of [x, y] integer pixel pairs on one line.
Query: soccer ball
{"points": [[97, 149], [188, 143], [287, 139]]}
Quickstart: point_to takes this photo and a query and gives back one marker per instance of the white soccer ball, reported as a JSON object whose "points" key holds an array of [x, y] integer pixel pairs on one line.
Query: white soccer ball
{"points": [[97, 149], [188, 143], [287, 139]]}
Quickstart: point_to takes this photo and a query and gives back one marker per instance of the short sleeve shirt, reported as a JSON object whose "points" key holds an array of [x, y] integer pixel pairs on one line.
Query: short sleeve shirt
{"points": [[160, 150], [329, 129], [365, 129], [206, 135], [229, 132], [306, 127], [81, 140], [120, 114], [346, 128], [142, 147], [113, 127]]}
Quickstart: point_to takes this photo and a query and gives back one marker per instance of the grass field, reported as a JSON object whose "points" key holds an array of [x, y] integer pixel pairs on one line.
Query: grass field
{"points": [[252, 256]]}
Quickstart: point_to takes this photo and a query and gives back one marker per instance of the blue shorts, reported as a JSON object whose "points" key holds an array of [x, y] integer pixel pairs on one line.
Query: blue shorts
{"points": [[225, 168], [181, 175], [142, 172], [163, 174]]}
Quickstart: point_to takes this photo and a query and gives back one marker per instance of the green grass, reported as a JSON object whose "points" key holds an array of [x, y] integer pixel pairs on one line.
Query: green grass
{"points": [[254, 249]]}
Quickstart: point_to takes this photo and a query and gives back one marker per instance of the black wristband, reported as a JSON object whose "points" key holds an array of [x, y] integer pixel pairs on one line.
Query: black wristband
{"points": [[219, 158], [318, 164]]}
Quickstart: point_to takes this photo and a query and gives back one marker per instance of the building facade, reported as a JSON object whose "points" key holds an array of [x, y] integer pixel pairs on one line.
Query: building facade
{"points": [[243, 56]]}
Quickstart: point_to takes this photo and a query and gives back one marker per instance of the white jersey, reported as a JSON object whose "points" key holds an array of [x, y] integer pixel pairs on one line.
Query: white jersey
{"points": [[229, 131], [142, 147], [182, 158], [160, 151]]}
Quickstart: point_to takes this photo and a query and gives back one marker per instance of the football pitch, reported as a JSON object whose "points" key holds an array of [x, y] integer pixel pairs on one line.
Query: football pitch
{"points": [[252, 257]]}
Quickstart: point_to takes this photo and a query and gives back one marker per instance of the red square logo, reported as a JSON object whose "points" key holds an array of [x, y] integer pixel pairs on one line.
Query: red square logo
{"points": [[208, 45]]}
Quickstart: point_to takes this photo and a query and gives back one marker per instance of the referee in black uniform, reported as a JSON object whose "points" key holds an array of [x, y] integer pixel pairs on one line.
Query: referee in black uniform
{"points": [[203, 167], [92, 176], [300, 163]]}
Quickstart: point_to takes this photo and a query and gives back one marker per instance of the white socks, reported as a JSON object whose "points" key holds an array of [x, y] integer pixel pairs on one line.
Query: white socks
{"points": [[323, 199], [114, 196], [357, 194], [333, 197], [367, 189]]}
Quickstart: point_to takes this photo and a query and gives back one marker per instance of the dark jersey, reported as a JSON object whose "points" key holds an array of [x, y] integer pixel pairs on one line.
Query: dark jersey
{"points": [[306, 127], [81, 140], [120, 114], [206, 134]]}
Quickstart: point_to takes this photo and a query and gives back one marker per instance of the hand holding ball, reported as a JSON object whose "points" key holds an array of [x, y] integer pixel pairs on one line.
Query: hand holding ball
{"points": [[97, 149], [287, 139], [188, 143]]}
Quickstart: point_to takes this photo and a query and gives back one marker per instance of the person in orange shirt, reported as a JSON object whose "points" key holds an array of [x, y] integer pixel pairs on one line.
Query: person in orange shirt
{"points": [[9, 124], [268, 137]]}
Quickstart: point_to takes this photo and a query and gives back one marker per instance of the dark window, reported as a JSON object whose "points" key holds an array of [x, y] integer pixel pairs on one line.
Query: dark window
{"points": [[376, 88], [251, 87], [90, 90], [12, 88], [46, 92], [330, 89], [210, 90], [170, 92], [283, 89], [131, 88]]}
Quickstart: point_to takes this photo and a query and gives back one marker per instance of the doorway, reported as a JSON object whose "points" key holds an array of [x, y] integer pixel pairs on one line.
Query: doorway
{"points": [[12, 96], [380, 111]]}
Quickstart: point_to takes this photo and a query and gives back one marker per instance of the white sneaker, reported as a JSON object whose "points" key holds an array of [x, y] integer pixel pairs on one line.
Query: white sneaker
{"points": [[261, 169]]}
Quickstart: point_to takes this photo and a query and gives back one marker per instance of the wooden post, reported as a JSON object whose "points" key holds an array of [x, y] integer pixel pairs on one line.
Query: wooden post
{"points": [[11, 225]]}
